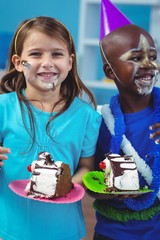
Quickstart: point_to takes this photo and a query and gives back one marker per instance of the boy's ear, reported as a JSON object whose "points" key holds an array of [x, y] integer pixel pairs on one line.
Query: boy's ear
{"points": [[17, 63], [108, 71]]}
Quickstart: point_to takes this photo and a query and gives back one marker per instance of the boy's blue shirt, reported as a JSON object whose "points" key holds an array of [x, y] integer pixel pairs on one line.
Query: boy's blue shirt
{"points": [[137, 131]]}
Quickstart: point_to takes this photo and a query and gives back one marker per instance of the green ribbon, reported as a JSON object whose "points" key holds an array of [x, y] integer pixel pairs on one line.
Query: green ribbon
{"points": [[125, 214]]}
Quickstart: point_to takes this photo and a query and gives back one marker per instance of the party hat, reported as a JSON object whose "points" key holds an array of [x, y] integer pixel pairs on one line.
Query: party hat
{"points": [[111, 18]]}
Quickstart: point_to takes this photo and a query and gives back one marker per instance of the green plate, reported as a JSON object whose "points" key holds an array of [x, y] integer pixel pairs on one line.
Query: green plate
{"points": [[94, 181]]}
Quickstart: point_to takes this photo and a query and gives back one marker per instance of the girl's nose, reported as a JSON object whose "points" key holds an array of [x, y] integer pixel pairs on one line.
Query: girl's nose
{"points": [[47, 62]]}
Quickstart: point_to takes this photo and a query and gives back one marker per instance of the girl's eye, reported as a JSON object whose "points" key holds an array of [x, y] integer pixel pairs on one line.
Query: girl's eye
{"points": [[56, 54], [35, 54]]}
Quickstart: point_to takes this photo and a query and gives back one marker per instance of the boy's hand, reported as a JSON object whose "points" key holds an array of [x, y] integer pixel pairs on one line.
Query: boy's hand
{"points": [[156, 133], [3, 151]]}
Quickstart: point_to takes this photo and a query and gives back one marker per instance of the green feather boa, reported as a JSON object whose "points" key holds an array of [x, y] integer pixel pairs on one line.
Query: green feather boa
{"points": [[125, 214]]}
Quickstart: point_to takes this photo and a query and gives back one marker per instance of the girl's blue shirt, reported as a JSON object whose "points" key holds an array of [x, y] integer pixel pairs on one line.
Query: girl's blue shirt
{"points": [[74, 133]]}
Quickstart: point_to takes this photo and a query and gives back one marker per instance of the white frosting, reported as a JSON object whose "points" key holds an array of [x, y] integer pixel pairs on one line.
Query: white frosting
{"points": [[108, 166], [127, 165], [45, 178], [46, 181], [128, 180]]}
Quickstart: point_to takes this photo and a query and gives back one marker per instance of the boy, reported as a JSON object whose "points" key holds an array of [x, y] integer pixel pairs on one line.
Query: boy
{"points": [[131, 126]]}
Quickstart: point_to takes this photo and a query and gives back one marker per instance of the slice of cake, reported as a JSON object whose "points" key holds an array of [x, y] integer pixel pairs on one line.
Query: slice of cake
{"points": [[50, 179], [120, 173]]}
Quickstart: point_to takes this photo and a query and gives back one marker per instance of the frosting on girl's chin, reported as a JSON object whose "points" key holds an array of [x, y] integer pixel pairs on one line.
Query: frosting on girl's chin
{"points": [[50, 85]]}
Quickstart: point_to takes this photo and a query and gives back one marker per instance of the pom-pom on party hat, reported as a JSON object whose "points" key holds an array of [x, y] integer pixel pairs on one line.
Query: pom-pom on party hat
{"points": [[111, 18]]}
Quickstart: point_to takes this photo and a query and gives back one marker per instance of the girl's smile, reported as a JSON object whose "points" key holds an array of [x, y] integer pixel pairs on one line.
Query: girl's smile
{"points": [[46, 65]]}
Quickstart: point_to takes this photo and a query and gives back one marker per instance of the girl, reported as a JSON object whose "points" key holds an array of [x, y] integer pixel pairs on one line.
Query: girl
{"points": [[40, 110]]}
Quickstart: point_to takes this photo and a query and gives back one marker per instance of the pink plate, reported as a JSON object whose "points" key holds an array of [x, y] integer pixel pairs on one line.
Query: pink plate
{"points": [[76, 194]]}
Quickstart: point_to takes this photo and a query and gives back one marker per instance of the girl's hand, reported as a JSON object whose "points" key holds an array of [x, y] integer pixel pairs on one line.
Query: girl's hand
{"points": [[156, 133], [85, 165], [2, 155]]}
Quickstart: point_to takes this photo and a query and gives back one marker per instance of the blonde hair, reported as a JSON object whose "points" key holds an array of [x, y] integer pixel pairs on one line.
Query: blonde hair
{"points": [[16, 36]]}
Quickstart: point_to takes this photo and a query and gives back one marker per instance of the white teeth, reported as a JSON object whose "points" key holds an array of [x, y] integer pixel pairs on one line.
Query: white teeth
{"points": [[144, 79], [46, 75]]}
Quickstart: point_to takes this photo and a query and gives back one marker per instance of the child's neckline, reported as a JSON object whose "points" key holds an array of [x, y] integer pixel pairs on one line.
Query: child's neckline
{"points": [[38, 106]]}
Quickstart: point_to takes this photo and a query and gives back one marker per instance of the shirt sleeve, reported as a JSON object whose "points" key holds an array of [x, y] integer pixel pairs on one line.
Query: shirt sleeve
{"points": [[91, 136], [103, 144]]}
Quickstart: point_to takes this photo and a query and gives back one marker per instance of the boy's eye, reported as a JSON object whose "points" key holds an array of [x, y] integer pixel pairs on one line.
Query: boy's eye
{"points": [[153, 58], [136, 59]]}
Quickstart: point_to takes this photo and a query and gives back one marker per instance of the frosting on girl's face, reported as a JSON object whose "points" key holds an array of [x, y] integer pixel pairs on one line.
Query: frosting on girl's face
{"points": [[144, 59], [45, 60]]}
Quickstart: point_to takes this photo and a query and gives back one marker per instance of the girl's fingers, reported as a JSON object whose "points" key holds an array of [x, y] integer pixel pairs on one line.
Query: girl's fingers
{"points": [[4, 150], [3, 157], [1, 163]]}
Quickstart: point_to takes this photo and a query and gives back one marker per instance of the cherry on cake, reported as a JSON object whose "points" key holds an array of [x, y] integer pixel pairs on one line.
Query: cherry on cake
{"points": [[120, 173], [50, 179]]}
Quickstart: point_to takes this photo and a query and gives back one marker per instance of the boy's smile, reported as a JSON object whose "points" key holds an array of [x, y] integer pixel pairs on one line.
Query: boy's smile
{"points": [[144, 59]]}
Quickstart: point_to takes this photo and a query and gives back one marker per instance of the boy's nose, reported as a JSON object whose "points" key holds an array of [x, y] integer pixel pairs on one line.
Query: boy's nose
{"points": [[147, 63]]}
